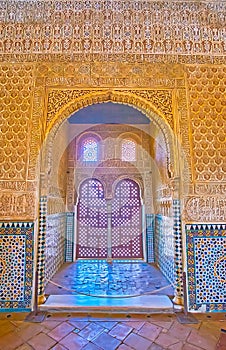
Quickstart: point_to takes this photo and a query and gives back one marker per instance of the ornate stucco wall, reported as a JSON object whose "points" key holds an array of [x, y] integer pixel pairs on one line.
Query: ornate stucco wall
{"points": [[17, 172], [167, 59]]}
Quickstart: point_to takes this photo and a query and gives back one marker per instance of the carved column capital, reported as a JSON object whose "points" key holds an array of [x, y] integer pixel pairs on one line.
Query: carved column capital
{"points": [[175, 185]]}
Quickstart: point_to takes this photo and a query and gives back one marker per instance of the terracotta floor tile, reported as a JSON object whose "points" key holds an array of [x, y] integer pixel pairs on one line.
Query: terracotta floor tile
{"points": [[206, 342], [58, 347], [166, 340], [107, 324], [124, 347], [221, 344], [192, 347], [213, 328], [179, 331], [91, 346], [137, 342], [51, 324], [61, 331], [120, 331], [79, 324], [107, 329], [10, 341], [41, 342], [91, 331], [106, 342], [134, 324], [6, 327], [163, 324], [177, 346], [73, 342], [150, 331], [28, 330], [25, 347], [155, 347]]}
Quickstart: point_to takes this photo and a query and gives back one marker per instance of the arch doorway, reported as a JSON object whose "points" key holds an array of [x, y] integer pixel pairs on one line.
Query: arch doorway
{"points": [[115, 201], [109, 228]]}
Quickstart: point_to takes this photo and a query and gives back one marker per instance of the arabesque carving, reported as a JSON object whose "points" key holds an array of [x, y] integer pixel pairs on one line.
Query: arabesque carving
{"points": [[155, 31], [17, 205], [183, 134], [59, 98], [16, 96], [18, 185], [161, 100], [206, 88], [210, 188], [205, 209], [38, 126]]}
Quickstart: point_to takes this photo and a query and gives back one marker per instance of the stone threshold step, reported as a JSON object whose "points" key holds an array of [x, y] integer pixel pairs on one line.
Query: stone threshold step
{"points": [[82, 303]]}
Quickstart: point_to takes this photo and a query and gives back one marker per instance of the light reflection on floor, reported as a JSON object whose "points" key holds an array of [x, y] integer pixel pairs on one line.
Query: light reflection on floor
{"points": [[97, 277]]}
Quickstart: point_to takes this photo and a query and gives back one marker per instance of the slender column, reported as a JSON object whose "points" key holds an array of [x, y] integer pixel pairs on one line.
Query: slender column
{"points": [[75, 236], [41, 243], [144, 233], [109, 230], [178, 289]]}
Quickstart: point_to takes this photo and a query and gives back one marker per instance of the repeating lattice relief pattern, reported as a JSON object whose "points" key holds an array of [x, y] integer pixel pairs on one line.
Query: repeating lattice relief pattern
{"points": [[92, 221], [113, 27], [126, 221], [128, 150], [207, 87], [15, 101]]}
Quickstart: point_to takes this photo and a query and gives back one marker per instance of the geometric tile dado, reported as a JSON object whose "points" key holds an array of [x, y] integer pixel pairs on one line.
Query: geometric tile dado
{"points": [[16, 265], [206, 254], [164, 246]]}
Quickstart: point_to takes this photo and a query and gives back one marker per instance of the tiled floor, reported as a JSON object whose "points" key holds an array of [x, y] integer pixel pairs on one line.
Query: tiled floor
{"points": [[90, 332], [97, 277]]}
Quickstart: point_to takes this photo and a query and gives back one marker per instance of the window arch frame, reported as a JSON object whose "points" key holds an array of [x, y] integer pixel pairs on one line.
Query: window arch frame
{"points": [[80, 150], [123, 141]]}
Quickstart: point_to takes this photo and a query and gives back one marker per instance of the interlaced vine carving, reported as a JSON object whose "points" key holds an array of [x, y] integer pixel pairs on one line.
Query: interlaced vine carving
{"points": [[185, 31]]}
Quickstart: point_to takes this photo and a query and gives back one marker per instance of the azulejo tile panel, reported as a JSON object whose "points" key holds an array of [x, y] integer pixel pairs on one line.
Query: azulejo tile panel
{"points": [[41, 243], [150, 226], [69, 241], [206, 255], [54, 256], [16, 265], [164, 246]]}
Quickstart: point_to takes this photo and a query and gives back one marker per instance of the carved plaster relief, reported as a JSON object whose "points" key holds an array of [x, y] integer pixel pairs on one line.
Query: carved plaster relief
{"points": [[205, 209], [206, 89], [17, 205], [127, 30], [16, 96]]}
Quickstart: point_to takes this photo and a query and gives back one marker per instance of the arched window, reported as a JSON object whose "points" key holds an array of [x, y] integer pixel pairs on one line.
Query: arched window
{"points": [[90, 150], [128, 150]]}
